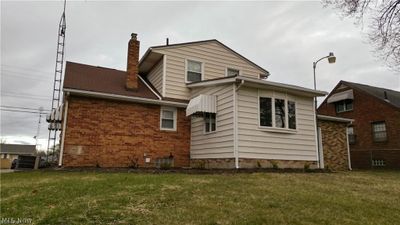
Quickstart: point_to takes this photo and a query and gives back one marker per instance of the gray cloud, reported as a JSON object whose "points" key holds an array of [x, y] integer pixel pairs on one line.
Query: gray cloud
{"points": [[283, 37]]}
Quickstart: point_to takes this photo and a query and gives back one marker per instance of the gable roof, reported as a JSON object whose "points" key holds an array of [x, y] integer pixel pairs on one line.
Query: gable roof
{"points": [[105, 80], [149, 51], [17, 149], [393, 97]]}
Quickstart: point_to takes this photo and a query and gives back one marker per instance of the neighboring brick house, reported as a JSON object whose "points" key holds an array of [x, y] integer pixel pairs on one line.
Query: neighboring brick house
{"points": [[374, 135], [197, 104]]}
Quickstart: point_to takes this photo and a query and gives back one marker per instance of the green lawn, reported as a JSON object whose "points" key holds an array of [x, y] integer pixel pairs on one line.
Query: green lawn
{"points": [[258, 198]]}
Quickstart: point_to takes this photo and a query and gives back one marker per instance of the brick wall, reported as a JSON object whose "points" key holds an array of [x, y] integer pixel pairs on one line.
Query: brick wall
{"points": [[334, 143], [113, 134], [368, 109]]}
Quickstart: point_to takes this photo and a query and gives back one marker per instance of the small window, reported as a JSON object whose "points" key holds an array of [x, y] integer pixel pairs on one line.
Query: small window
{"points": [[351, 135], [209, 122], [265, 112], [379, 131], [263, 76], [168, 119], [194, 71], [292, 114], [378, 162], [280, 117], [232, 72], [344, 105]]}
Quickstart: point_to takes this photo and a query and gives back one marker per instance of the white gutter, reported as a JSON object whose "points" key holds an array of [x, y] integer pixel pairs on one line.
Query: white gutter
{"points": [[63, 133], [257, 81], [335, 119], [148, 86], [348, 148], [125, 98], [211, 82]]}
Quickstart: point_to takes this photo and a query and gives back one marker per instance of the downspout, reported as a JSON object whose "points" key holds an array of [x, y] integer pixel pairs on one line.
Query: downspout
{"points": [[348, 148], [63, 132], [235, 124], [316, 134]]}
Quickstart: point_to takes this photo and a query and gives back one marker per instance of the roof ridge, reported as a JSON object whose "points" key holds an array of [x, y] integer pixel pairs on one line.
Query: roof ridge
{"points": [[354, 83], [102, 67]]}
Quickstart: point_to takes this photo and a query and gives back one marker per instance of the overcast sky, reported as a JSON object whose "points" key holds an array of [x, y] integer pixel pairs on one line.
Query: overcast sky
{"points": [[282, 37]]}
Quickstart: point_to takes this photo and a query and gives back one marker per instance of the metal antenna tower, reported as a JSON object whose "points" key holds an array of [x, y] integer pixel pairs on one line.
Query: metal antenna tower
{"points": [[55, 103]]}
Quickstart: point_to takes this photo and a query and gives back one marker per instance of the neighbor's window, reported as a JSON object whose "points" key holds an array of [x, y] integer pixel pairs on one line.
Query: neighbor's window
{"points": [[351, 135], [232, 72], [194, 71], [344, 105], [292, 114], [278, 114], [168, 119], [379, 131], [280, 117], [209, 122], [265, 112]]}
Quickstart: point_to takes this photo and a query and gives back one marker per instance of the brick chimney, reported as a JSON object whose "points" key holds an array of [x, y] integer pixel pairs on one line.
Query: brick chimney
{"points": [[132, 66]]}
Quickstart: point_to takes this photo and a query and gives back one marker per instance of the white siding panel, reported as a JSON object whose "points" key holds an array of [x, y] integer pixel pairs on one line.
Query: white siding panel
{"points": [[155, 76], [263, 144], [215, 58], [218, 144]]}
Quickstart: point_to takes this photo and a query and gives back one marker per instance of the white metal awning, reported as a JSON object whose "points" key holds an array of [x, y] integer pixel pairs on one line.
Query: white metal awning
{"points": [[202, 103], [341, 96]]}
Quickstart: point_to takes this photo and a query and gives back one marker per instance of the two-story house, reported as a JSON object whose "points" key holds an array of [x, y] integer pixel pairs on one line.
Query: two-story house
{"points": [[374, 136], [190, 104]]}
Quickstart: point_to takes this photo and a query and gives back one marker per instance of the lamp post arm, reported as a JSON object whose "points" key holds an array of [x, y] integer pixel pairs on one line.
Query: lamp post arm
{"points": [[315, 63]]}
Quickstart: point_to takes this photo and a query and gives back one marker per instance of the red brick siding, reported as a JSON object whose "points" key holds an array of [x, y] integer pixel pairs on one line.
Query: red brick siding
{"points": [[334, 142], [368, 109], [108, 133]]}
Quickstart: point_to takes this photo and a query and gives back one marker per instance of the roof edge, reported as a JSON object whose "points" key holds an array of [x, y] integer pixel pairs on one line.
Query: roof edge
{"points": [[124, 98], [335, 119]]}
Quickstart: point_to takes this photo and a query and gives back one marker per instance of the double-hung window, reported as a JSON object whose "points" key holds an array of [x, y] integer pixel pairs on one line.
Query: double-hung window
{"points": [[194, 71], [276, 112], [232, 72], [168, 119], [210, 122], [344, 105], [379, 131]]}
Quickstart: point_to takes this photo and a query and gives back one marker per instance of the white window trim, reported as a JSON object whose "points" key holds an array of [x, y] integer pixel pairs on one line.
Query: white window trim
{"points": [[232, 68], [186, 69], [273, 128], [204, 126], [175, 112]]}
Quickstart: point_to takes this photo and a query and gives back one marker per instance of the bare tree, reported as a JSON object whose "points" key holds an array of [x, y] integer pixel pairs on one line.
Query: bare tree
{"points": [[384, 31]]}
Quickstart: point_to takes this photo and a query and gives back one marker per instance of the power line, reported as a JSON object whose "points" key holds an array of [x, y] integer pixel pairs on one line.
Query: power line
{"points": [[18, 107], [22, 111], [25, 69], [16, 75]]}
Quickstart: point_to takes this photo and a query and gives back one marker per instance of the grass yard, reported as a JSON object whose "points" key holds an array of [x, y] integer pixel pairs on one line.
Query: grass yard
{"points": [[363, 197]]}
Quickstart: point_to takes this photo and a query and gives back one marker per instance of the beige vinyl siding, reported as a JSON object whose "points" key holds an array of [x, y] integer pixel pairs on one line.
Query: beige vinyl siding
{"points": [[215, 58], [155, 76], [218, 144], [254, 142]]}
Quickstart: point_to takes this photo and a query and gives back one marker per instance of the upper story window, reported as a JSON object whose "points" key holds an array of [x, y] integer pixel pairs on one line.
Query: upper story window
{"points": [[351, 135], [232, 72], [344, 105], [263, 76], [379, 131], [279, 113], [194, 71], [168, 118], [210, 122]]}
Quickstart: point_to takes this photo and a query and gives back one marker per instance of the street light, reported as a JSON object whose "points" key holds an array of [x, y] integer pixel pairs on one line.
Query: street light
{"points": [[331, 59]]}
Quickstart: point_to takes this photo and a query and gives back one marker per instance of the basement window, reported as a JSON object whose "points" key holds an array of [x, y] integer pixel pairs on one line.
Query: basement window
{"points": [[378, 162], [168, 118], [210, 122]]}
